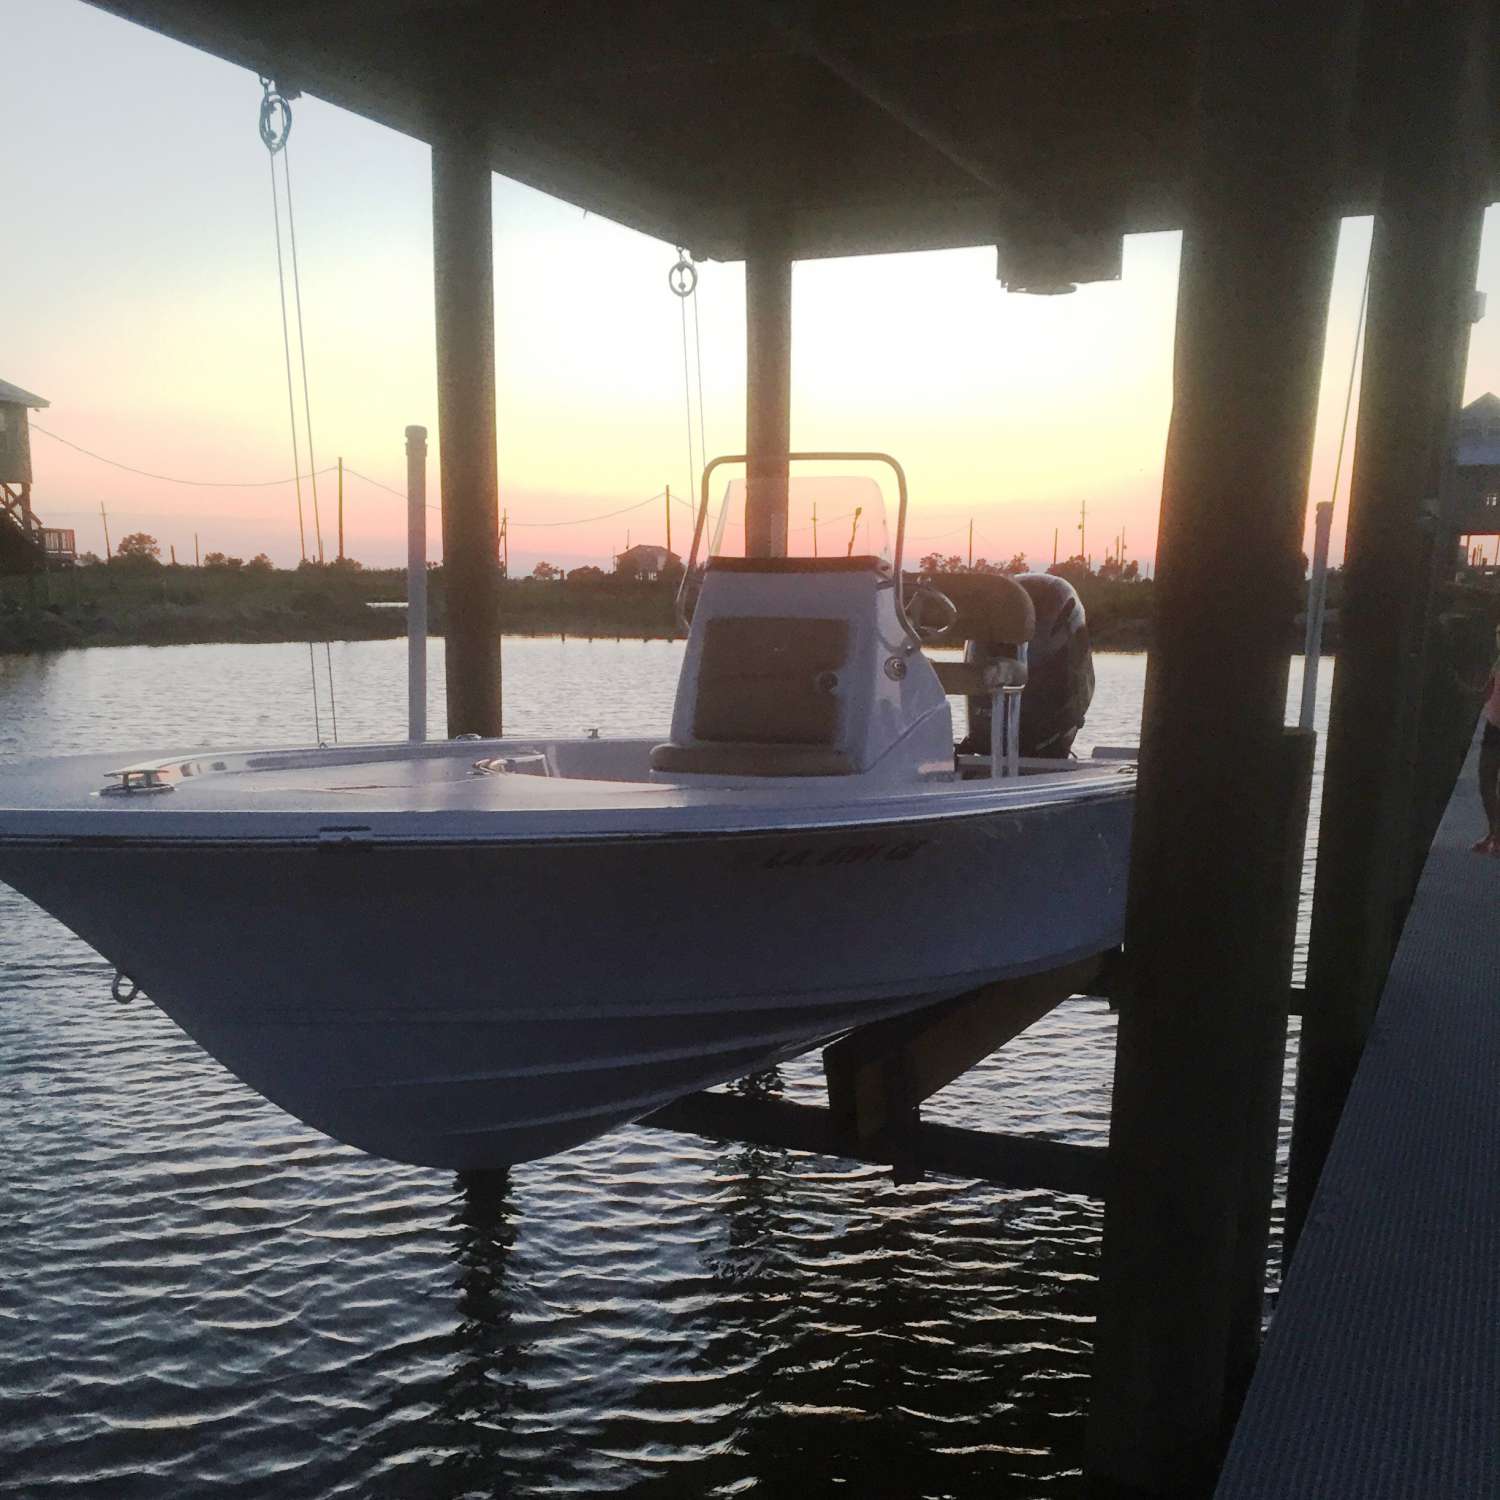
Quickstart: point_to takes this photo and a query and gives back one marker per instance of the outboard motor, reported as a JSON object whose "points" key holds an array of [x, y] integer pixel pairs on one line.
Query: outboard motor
{"points": [[1059, 673]]}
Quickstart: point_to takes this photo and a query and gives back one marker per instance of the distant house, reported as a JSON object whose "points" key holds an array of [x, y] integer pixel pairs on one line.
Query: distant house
{"points": [[646, 563], [24, 542], [1476, 468]]}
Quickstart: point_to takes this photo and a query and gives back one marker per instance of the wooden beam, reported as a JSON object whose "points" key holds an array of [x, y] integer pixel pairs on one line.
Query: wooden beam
{"points": [[1020, 1162], [464, 301], [881, 1073], [768, 383], [1202, 1019], [1423, 258]]}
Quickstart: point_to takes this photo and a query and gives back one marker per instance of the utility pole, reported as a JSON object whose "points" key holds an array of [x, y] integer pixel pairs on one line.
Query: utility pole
{"points": [[197, 563], [173, 551], [341, 510], [505, 544], [1054, 546], [815, 528], [108, 551], [971, 544], [669, 518], [1083, 517]]}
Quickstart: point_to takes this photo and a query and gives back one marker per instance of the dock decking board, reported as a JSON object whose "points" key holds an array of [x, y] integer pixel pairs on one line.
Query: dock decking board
{"points": [[1380, 1377]]}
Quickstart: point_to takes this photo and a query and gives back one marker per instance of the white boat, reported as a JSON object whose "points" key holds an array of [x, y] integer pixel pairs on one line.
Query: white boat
{"points": [[473, 953]]}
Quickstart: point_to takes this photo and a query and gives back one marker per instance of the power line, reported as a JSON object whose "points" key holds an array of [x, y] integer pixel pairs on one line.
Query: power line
{"points": [[587, 520], [206, 484], [250, 484]]}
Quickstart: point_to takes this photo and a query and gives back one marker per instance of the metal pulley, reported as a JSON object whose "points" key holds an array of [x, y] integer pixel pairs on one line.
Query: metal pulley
{"points": [[683, 277], [275, 115]]}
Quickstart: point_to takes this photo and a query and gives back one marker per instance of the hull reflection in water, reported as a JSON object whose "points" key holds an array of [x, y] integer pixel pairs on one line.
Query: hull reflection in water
{"points": [[805, 1327]]}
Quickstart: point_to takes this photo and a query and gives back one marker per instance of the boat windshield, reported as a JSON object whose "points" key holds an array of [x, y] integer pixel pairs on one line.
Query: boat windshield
{"points": [[827, 516]]}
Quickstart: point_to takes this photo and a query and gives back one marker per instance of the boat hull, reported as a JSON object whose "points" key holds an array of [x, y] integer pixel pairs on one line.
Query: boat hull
{"points": [[470, 1005]]}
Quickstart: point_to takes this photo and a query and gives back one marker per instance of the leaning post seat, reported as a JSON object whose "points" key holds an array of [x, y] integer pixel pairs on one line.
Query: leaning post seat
{"points": [[784, 673], [996, 620]]}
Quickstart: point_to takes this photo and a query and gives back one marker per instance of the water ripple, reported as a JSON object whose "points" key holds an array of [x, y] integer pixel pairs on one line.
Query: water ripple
{"points": [[201, 1297]]}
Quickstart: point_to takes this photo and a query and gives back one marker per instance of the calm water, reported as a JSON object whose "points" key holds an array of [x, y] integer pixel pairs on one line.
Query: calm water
{"points": [[201, 1297]]}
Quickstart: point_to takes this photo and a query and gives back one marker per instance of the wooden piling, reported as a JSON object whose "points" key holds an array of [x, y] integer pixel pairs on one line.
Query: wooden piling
{"points": [[768, 385], [1203, 1004], [464, 301], [1423, 259]]}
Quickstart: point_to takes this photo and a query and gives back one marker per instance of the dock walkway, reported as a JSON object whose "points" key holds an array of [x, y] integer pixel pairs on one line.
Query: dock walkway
{"points": [[1381, 1374]]}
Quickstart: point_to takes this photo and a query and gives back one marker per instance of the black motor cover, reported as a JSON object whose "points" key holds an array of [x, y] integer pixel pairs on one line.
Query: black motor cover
{"points": [[1059, 667], [1059, 673]]}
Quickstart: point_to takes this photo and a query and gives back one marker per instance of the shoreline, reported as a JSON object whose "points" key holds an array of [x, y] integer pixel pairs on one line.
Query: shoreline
{"points": [[139, 603]]}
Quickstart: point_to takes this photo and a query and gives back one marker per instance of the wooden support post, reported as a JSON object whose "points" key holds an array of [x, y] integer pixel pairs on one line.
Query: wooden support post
{"points": [[1423, 258], [768, 386], [1203, 1007], [464, 301], [880, 1074]]}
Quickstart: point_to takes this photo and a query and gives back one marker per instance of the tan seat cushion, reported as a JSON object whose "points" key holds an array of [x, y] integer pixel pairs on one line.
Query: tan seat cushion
{"points": [[992, 608], [752, 760]]}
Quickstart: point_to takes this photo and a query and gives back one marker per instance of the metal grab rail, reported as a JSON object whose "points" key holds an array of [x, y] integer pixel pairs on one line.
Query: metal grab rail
{"points": [[820, 457]]}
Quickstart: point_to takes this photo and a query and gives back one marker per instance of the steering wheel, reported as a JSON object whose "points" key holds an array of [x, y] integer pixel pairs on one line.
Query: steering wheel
{"points": [[932, 613]]}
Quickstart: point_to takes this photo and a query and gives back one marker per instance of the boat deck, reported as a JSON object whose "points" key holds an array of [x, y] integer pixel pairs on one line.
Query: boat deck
{"points": [[1381, 1374], [597, 792]]}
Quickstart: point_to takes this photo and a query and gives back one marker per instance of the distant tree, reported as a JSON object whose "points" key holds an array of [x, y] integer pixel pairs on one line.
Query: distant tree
{"points": [[139, 544], [260, 563], [1017, 564], [88, 560], [1109, 570], [587, 574], [546, 573], [219, 561], [348, 565], [982, 566], [1075, 570], [933, 563], [1132, 572]]}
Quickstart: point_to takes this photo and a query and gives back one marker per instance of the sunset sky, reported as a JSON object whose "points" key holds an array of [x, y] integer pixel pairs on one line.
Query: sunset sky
{"points": [[139, 296]]}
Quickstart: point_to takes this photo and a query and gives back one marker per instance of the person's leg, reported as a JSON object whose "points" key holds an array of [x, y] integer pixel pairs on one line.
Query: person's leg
{"points": [[1489, 782]]}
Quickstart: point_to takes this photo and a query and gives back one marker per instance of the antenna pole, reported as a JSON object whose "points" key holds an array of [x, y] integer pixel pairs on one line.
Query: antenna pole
{"points": [[416, 583], [108, 550]]}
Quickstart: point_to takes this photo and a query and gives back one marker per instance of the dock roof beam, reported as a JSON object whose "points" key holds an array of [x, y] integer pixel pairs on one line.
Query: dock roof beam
{"points": [[1423, 259], [1208, 943]]}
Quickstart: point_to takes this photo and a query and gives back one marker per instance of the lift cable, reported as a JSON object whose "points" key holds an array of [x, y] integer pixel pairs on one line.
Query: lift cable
{"points": [[1359, 335], [683, 280], [275, 130]]}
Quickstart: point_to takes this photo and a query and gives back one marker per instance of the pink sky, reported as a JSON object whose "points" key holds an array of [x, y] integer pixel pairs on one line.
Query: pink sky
{"points": [[141, 301]]}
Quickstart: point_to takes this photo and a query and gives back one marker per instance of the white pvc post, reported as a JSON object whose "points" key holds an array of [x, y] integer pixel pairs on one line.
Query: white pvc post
{"points": [[1317, 607], [416, 583]]}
